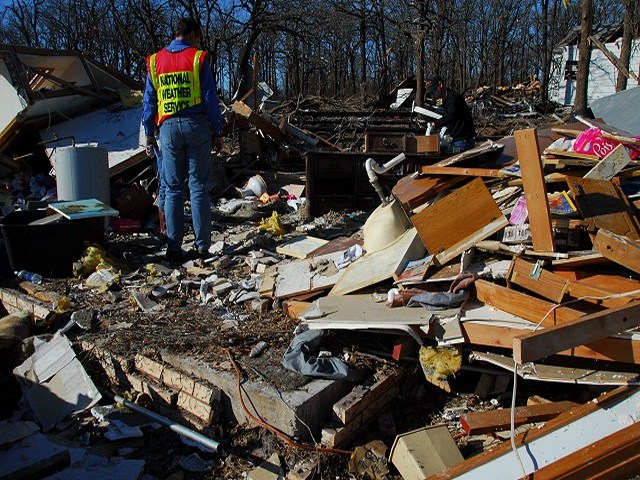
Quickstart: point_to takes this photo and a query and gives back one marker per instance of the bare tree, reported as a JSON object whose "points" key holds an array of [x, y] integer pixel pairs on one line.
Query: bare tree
{"points": [[584, 56], [628, 27]]}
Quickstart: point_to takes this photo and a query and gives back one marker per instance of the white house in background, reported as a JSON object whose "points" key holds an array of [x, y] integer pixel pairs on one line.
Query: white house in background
{"points": [[602, 73]]}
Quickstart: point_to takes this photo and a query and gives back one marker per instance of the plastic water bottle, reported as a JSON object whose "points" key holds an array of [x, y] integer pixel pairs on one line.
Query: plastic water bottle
{"points": [[29, 276]]}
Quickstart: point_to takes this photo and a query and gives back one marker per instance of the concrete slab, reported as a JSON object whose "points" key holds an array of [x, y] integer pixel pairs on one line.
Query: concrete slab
{"points": [[285, 410]]}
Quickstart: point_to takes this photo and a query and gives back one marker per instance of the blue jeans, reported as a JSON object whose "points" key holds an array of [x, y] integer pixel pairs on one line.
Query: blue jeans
{"points": [[186, 152], [462, 144]]}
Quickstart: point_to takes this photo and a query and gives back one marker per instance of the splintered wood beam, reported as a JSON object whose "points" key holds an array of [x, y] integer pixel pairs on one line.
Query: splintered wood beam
{"points": [[258, 121], [613, 349], [589, 328], [475, 423], [523, 305], [618, 248], [535, 190]]}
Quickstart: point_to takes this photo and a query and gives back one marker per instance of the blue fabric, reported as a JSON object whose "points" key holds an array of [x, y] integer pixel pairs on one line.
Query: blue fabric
{"points": [[186, 152], [210, 105]]}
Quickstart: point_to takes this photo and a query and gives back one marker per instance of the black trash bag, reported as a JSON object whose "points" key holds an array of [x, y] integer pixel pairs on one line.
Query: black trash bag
{"points": [[301, 357]]}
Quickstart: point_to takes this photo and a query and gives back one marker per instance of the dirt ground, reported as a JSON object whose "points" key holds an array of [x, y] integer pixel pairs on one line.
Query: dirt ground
{"points": [[206, 332]]}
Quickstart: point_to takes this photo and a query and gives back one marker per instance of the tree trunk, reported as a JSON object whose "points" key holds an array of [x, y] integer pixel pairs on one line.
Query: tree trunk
{"points": [[420, 54], [627, 36], [363, 50], [546, 52], [584, 57]]}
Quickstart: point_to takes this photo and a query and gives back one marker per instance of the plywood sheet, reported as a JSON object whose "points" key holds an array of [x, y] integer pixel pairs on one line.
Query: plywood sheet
{"points": [[308, 275], [462, 215], [535, 190], [301, 247], [412, 191], [362, 310]]}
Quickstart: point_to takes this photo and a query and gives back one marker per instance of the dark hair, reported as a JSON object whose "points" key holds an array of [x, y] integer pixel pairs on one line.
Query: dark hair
{"points": [[185, 26], [432, 84]]}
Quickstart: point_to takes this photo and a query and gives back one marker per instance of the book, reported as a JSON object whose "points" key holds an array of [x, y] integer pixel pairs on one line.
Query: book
{"points": [[560, 204], [87, 208]]}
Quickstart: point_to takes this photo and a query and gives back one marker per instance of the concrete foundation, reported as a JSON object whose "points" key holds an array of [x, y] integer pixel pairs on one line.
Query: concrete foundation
{"points": [[311, 404]]}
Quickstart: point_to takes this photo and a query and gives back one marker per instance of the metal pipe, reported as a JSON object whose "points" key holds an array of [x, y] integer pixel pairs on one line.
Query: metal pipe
{"points": [[176, 427]]}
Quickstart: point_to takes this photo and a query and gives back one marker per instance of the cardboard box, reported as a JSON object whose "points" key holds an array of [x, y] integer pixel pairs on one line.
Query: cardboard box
{"points": [[423, 452]]}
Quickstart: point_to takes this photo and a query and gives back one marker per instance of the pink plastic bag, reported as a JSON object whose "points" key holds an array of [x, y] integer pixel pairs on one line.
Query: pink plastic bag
{"points": [[592, 142]]}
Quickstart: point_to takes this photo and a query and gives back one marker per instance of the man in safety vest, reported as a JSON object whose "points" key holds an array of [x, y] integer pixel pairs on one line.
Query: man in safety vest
{"points": [[180, 100]]}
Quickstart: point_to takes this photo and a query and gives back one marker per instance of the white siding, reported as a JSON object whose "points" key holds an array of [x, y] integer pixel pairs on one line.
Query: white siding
{"points": [[602, 73]]}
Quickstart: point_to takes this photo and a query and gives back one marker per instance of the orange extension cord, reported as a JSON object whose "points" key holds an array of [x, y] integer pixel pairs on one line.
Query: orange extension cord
{"points": [[271, 428]]}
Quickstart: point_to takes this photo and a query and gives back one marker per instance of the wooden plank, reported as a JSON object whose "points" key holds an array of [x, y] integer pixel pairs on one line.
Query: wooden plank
{"points": [[603, 205], [589, 328], [469, 172], [264, 125], [535, 190], [612, 348], [618, 248], [524, 306], [558, 427], [613, 59], [613, 282], [478, 150], [610, 165], [300, 247], [597, 295], [614, 456], [579, 261], [533, 277], [547, 372], [293, 308], [572, 154], [465, 216], [412, 191], [475, 423]]}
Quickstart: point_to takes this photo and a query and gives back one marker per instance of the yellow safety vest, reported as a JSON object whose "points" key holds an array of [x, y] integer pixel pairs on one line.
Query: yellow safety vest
{"points": [[176, 79]]}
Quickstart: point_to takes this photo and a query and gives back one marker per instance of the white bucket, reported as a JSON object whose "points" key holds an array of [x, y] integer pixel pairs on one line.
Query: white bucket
{"points": [[82, 172]]}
